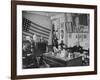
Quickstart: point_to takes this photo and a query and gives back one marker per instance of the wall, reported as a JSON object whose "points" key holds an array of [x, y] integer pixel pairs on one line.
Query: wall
{"points": [[38, 19], [40, 25], [5, 40], [58, 21], [71, 38]]}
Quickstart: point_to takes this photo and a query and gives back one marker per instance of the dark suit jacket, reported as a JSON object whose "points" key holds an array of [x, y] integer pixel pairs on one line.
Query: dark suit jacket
{"points": [[35, 49]]}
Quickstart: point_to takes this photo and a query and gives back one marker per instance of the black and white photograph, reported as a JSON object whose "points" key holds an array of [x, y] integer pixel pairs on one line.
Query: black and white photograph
{"points": [[55, 39]]}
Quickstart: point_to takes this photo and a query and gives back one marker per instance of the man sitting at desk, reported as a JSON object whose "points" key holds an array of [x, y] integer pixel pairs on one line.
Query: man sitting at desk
{"points": [[27, 53]]}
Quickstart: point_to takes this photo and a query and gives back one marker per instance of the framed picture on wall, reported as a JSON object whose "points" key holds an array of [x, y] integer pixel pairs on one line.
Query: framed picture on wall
{"points": [[38, 47]]}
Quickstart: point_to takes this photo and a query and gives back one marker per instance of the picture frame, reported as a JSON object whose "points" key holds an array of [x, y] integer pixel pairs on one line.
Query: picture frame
{"points": [[17, 10]]}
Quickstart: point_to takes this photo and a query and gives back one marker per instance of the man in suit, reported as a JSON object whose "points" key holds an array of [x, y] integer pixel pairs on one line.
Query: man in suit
{"points": [[36, 51]]}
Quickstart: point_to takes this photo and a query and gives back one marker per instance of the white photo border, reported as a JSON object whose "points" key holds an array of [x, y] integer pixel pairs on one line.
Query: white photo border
{"points": [[21, 71]]}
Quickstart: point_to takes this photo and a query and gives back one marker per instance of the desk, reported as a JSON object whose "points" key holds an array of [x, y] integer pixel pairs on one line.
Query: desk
{"points": [[58, 62]]}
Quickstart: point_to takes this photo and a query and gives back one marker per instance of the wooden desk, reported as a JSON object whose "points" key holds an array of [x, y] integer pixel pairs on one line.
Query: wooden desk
{"points": [[57, 62]]}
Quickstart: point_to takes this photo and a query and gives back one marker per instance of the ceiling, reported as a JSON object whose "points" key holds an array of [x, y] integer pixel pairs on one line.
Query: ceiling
{"points": [[44, 13]]}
